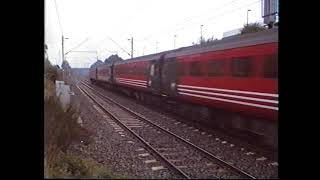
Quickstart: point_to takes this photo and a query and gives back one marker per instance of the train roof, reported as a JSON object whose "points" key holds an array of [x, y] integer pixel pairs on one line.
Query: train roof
{"points": [[241, 40], [250, 39]]}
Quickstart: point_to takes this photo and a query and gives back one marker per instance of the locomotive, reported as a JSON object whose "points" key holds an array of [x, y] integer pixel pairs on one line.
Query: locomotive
{"points": [[237, 74]]}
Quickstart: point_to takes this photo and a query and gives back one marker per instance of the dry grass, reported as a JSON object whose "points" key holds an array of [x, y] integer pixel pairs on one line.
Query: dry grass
{"points": [[61, 129], [70, 166]]}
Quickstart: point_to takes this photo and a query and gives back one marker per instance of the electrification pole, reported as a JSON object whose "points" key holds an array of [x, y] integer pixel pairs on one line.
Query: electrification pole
{"points": [[174, 42], [62, 49], [201, 34], [131, 47], [248, 16], [97, 55], [156, 47]]}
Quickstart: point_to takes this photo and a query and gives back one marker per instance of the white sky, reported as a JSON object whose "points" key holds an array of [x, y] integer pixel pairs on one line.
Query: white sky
{"points": [[147, 21]]}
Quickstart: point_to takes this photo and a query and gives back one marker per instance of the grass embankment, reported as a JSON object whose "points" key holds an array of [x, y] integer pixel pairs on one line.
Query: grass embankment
{"points": [[61, 129]]}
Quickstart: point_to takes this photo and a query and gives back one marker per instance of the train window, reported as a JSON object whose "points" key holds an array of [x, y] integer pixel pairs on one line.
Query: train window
{"points": [[195, 69], [144, 71], [119, 70], [131, 69], [241, 67], [181, 71], [140, 70], [135, 70], [152, 70], [216, 68], [271, 66]]}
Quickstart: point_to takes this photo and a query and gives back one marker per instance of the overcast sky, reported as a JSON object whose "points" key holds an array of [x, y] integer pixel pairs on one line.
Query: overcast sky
{"points": [[147, 21]]}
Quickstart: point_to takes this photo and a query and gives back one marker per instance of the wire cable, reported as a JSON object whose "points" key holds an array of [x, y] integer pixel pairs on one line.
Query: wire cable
{"points": [[55, 2]]}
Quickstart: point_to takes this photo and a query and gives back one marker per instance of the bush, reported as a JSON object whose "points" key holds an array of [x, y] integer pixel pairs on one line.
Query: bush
{"points": [[69, 166], [50, 72], [61, 128], [251, 28], [209, 41], [49, 88]]}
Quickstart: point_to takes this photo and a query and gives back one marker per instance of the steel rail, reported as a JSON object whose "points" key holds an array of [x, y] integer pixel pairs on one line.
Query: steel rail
{"points": [[136, 135], [206, 153]]}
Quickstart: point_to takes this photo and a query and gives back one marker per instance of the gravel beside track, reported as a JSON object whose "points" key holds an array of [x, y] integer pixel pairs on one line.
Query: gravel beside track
{"points": [[193, 161], [240, 156], [120, 154]]}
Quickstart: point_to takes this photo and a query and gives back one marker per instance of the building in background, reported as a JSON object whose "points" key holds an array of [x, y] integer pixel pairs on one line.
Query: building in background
{"points": [[270, 11], [231, 33]]}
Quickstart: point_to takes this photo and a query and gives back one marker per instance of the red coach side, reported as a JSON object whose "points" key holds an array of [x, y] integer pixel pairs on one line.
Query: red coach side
{"points": [[241, 80], [132, 74]]}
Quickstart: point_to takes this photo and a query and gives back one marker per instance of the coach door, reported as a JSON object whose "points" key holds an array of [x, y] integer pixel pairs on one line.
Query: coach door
{"points": [[169, 76], [96, 73], [154, 78], [111, 73]]}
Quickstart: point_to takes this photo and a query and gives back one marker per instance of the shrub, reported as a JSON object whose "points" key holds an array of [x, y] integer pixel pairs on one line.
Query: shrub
{"points": [[251, 28], [61, 128], [50, 72], [70, 166]]}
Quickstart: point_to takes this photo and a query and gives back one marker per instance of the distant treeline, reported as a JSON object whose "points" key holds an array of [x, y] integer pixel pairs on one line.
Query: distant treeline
{"points": [[109, 60]]}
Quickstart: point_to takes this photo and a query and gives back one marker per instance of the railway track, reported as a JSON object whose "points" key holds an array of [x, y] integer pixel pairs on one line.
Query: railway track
{"points": [[251, 158], [263, 151], [181, 156]]}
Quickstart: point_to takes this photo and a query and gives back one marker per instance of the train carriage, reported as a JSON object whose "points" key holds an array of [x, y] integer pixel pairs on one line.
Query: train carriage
{"points": [[239, 74], [104, 73], [135, 73], [93, 73]]}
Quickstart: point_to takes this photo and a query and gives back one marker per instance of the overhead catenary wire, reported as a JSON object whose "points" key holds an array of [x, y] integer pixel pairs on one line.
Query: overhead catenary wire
{"points": [[224, 5], [234, 10], [119, 46], [131, 18], [191, 18], [62, 59], [202, 22], [185, 26], [77, 45], [55, 2], [186, 20], [228, 12]]}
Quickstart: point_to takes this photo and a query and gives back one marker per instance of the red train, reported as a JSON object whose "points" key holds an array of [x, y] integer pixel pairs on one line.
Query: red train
{"points": [[238, 74]]}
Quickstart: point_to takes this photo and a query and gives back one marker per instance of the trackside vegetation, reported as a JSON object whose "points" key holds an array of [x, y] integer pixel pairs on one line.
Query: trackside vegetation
{"points": [[61, 129]]}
